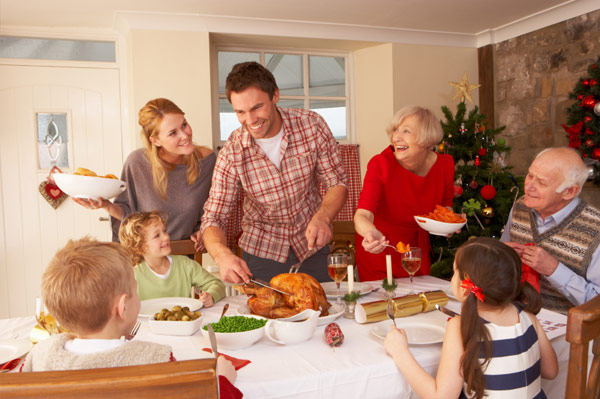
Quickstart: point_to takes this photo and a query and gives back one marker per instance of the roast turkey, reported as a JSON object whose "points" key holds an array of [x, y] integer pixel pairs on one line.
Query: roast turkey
{"points": [[306, 293]]}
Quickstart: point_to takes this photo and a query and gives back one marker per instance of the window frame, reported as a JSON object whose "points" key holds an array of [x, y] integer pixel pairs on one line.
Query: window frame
{"points": [[305, 53]]}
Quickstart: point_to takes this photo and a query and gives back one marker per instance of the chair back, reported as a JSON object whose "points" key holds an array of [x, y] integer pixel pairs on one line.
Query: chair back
{"points": [[583, 326], [186, 247], [182, 380]]}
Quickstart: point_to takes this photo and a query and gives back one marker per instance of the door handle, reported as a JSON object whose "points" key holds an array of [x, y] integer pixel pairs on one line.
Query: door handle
{"points": [[103, 219]]}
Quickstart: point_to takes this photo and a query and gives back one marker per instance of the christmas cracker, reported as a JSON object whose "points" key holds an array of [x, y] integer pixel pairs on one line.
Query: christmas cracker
{"points": [[408, 305]]}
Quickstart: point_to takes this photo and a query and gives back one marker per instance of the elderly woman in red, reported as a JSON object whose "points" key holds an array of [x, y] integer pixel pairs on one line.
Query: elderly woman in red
{"points": [[407, 178]]}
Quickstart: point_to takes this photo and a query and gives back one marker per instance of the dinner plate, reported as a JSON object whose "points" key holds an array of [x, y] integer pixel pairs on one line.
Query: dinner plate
{"points": [[13, 348], [421, 329], [331, 290], [335, 311], [151, 306]]}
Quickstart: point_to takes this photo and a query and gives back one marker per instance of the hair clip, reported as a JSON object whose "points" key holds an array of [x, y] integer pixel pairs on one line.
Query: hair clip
{"points": [[472, 288]]}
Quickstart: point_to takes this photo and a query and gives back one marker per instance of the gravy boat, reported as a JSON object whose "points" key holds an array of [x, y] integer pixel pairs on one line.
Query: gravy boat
{"points": [[294, 329]]}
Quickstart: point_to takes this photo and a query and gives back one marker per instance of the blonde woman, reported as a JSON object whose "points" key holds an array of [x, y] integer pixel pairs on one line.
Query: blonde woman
{"points": [[170, 174]]}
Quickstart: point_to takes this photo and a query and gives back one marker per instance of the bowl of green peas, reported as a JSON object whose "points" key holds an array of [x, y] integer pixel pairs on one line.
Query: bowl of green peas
{"points": [[237, 332]]}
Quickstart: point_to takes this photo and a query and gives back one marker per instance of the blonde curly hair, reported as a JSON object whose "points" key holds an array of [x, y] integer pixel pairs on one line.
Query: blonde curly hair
{"points": [[131, 232]]}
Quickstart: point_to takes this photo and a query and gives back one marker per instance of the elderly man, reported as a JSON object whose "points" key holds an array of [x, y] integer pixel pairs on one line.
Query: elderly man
{"points": [[564, 230], [277, 157]]}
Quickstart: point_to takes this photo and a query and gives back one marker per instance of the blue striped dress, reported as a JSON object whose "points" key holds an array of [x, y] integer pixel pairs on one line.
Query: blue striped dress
{"points": [[514, 368]]}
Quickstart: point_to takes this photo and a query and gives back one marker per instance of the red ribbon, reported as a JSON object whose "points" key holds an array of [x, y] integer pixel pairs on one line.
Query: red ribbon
{"points": [[472, 288]]}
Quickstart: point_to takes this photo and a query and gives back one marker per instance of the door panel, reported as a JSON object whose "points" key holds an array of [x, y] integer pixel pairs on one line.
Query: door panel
{"points": [[30, 229]]}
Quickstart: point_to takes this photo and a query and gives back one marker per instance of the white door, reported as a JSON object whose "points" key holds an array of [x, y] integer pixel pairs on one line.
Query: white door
{"points": [[31, 231]]}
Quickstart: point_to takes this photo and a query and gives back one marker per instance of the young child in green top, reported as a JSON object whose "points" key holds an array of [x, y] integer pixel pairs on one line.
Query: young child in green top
{"points": [[158, 273]]}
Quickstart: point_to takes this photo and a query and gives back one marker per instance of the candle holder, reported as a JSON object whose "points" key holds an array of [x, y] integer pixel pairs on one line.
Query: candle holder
{"points": [[390, 289], [350, 299]]}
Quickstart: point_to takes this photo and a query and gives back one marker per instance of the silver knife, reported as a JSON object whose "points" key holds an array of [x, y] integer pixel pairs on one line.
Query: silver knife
{"points": [[446, 311], [213, 339], [265, 284]]}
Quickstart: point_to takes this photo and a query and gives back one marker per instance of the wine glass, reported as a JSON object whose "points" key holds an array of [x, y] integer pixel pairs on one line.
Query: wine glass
{"points": [[411, 262], [337, 267]]}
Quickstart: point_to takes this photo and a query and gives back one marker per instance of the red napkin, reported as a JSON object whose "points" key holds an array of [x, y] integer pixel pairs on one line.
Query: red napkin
{"points": [[11, 364], [237, 363], [530, 275]]}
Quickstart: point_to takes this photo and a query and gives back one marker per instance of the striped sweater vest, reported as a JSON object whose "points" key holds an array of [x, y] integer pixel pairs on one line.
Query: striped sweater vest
{"points": [[572, 243]]}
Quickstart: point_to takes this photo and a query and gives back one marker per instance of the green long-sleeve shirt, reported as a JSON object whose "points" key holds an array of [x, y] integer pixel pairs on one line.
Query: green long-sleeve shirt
{"points": [[185, 272]]}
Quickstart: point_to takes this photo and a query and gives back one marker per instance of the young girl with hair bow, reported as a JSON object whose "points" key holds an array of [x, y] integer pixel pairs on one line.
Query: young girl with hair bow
{"points": [[496, 348]]}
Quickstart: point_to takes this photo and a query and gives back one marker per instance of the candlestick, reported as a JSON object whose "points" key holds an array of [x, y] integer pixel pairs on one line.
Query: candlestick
{"points": [[350, 278], [388, 266]]}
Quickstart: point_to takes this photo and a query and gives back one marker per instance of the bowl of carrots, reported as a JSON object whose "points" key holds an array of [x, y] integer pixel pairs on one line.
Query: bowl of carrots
{"points": [[441, 221]]}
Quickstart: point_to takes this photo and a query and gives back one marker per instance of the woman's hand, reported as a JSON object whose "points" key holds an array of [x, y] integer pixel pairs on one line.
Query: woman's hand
{"points": [[374, 242], [92, 204]]}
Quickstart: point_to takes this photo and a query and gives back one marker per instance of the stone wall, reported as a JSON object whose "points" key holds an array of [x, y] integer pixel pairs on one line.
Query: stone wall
{"points": [[534, 74]]}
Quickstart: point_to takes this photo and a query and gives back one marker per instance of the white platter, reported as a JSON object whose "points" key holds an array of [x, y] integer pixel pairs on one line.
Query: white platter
{"points": [[335, 311], [438, 228], [331, 290], [421, 329], [79, 186], [151, 306], [13, 348]]}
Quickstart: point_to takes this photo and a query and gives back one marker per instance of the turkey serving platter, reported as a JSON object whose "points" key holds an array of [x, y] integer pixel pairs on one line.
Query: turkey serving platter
{"points": [[335, 311]]}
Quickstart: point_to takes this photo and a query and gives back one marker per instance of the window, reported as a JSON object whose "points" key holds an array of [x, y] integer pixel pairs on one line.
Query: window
{"points": [[56, 49], [318, 82]]}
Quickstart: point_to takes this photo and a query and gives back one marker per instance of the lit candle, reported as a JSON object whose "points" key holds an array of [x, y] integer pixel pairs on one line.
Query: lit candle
{"points": [[388, 267], [350, 278]]}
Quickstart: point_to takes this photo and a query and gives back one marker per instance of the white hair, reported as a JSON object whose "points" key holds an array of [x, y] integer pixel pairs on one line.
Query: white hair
{"points": [[575, 173]]}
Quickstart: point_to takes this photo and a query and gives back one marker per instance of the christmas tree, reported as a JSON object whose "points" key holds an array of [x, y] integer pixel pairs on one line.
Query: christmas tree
{"points": [[583, 118], [484, 188]]}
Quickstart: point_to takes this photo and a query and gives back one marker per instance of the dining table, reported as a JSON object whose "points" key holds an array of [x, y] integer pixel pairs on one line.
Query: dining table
{"points": [[358, 368]]}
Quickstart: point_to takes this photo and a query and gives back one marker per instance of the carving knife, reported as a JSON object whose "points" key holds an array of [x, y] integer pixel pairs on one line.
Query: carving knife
{"points": [[265, 284]]}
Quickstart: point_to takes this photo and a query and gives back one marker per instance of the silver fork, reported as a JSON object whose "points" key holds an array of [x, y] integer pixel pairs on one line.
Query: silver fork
{"points": [[294, 269], [133, 331], [393, 247], [391, 307]]}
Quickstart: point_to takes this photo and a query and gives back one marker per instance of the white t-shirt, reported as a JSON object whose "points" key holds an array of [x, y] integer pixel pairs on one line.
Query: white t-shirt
{"points": [[87, 346], [163, 276], [272, 147]]}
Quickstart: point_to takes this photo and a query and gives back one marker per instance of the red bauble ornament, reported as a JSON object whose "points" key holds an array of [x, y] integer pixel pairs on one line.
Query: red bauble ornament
{"points": [[477, 161], [482, 151], [580, 97], [474, 184], [488, 192], [587, 118], [588, 102], [596, 153], [593, 82], [585, 82], [458, 190]]}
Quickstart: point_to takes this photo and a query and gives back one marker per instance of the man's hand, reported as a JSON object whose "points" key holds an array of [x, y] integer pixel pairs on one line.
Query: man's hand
{"points": [[197, 239], [318, 231], [374, 242], [233, 269], [536, 257]]}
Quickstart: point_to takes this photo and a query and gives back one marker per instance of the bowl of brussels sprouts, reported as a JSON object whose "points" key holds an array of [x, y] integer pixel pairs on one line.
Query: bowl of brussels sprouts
{"points": [[179, 320], [237, 332]]}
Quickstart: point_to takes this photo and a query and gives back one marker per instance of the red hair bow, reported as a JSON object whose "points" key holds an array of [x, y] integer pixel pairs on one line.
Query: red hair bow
{"points": [[472, 288]]}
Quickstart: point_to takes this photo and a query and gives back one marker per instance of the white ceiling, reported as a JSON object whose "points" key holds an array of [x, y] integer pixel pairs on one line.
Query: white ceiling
{"points": [[458, 18]]}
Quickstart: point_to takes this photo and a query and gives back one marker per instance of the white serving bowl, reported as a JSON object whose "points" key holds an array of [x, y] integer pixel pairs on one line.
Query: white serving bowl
{"points": [[165, 327], [438, 228], [79, 186], [237, 340]]}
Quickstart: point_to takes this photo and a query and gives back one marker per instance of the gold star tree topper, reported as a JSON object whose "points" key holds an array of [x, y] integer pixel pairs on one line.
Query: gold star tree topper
{"points": [[463, 89]]}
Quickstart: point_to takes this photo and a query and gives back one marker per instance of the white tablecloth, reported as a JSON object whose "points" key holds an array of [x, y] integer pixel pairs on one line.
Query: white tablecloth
{"points": [[359, 368]]}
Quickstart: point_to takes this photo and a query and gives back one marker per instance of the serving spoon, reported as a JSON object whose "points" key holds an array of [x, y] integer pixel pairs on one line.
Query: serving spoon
{"points": [[223, 312]]}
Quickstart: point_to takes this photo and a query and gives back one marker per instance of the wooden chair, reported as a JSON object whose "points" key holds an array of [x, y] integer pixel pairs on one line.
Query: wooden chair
{"points": [[583, 326], [185, 379], [186, 247], [343, 239]]}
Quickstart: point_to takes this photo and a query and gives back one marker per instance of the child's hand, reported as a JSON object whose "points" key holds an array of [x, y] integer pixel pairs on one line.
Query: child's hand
{"points": [[226, 369], [395, 341], [207, 299]]}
